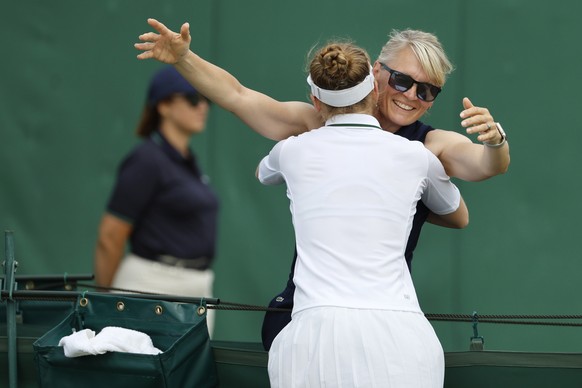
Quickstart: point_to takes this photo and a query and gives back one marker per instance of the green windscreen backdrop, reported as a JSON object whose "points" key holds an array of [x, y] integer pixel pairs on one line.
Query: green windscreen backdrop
{"points": [[71, 92]]}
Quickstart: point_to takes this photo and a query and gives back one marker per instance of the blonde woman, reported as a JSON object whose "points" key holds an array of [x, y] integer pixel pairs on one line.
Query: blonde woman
{"points": [[353, 189]]}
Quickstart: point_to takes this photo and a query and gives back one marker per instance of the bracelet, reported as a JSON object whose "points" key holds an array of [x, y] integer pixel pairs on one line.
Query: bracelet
{"points": [[503, 137]]}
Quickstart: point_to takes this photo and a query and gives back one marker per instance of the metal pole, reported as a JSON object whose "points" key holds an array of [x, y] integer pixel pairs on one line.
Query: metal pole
{"points": [[9, 269], [73, 295]]}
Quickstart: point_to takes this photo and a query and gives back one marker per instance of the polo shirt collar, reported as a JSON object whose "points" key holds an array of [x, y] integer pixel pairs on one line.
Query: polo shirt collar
{"points": [[353, 118], [158, 138]]}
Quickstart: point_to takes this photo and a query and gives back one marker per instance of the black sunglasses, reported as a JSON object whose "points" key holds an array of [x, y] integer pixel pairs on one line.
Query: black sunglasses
{"points": [[195, 99], [403, 82]]}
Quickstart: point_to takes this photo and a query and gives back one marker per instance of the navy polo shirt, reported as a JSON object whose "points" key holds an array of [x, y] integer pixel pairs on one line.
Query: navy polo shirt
{"points": [[164, 196]]}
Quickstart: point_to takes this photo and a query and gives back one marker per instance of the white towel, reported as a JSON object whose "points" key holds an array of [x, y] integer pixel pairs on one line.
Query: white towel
{"points": [[110, 339], [78, 344]]}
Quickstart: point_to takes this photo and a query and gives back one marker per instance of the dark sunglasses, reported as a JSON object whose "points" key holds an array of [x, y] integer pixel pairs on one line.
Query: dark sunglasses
{"points": [[194, 99], [403, 82]]}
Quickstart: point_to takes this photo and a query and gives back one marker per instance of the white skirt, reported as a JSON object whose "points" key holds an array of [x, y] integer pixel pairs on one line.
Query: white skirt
{"points": [[344, 347]]}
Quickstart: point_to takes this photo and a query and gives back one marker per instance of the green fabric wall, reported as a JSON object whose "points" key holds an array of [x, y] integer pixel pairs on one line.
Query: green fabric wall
{"points": [[71, 92]]}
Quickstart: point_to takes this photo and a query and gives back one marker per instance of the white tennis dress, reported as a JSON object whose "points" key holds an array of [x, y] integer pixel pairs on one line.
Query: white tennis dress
{"points": [[356, 320]]}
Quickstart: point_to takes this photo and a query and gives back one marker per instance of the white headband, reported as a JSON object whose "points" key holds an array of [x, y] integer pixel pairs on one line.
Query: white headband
{"points": [[344, 97]]}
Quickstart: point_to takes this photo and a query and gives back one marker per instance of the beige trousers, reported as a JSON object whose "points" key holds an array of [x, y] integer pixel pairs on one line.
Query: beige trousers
{"points": [[138, 274]]}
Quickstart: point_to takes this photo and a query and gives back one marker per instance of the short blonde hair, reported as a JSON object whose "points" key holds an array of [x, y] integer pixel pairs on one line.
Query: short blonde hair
{"points": [[427, 49]]}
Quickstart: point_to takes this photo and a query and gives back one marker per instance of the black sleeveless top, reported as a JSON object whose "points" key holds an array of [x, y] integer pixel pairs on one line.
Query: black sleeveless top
{"points": [[415, 131]]}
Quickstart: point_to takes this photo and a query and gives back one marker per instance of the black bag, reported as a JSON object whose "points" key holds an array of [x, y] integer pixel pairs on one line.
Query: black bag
{"points": [[178, 329]]}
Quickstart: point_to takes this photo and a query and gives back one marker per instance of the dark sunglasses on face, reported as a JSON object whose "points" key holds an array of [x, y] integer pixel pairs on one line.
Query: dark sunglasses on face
{"points": [[403, 82], [194, 99]]}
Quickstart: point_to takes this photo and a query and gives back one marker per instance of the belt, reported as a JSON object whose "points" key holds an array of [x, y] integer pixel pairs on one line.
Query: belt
{"points": [[200, 263]]}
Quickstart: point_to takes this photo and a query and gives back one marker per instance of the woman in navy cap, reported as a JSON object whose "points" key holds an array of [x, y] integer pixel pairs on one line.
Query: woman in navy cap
{"points": [[161, 204]]}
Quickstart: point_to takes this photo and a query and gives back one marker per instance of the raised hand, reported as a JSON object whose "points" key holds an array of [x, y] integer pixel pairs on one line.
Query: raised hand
{"points": [[479, 120], [166, 46]]}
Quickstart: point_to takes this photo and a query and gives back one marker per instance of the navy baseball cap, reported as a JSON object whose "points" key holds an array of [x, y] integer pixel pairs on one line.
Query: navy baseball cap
{"points": [[167, 82]]}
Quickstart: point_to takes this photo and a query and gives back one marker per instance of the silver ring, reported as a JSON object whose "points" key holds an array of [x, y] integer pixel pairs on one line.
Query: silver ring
{"points": [[488, 126]]}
